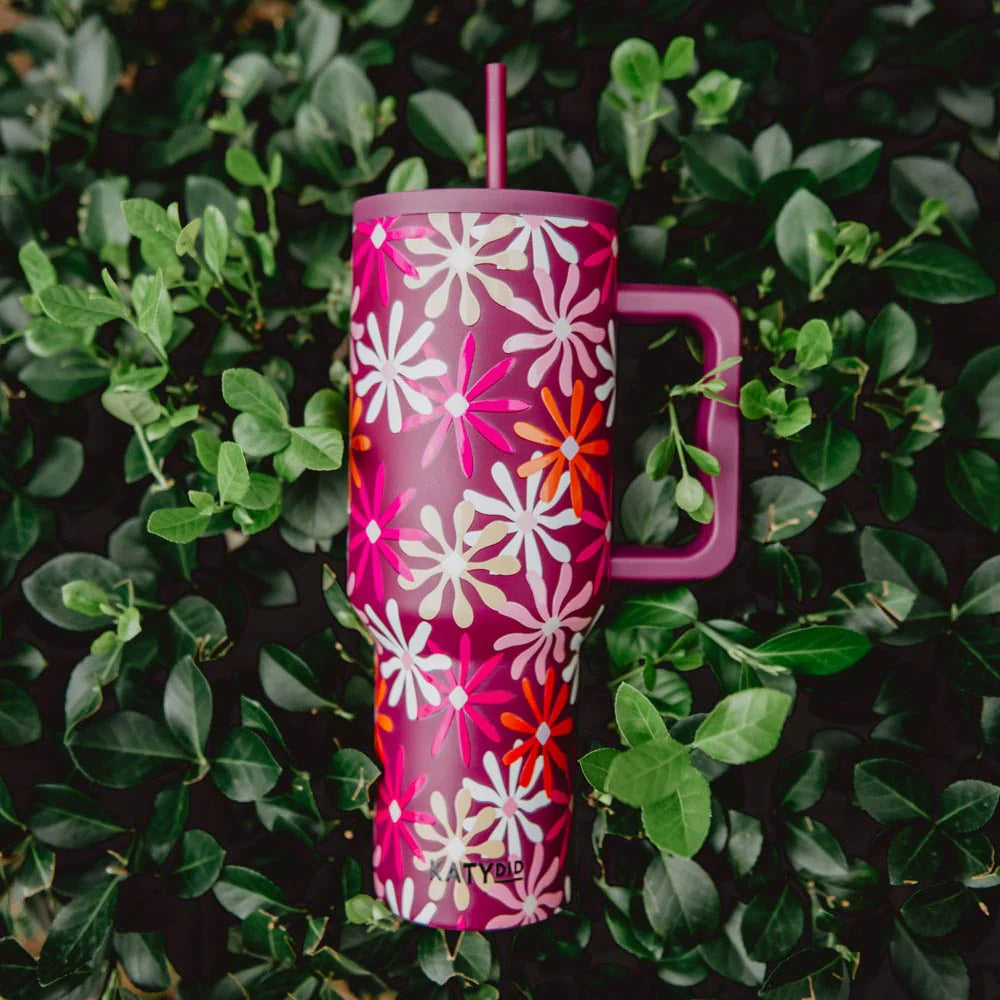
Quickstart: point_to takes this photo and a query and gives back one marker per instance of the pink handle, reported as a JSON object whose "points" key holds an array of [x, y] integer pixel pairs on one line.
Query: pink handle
{"points": [[715, 318]]}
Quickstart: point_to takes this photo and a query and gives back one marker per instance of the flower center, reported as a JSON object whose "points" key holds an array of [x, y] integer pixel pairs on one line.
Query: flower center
{"points": [[542, 734], [530, 905], [378, 236], [407, 660], [526, 522], [533, 221], [394, 811], [458, 698], [551, 625], [569, 448], [456, 405], [455, 849], [461, 259], [562, 328], [453, 564], [373, 531], [388, 372], [509, 808]]}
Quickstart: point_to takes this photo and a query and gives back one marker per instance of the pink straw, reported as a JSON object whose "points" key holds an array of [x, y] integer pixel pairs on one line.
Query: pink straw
{"points": [[496, 125]]}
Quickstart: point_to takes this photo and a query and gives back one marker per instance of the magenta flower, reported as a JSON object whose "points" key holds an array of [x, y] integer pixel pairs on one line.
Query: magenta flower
{"points": [[371, 541], [459, 407], [531, 900], [459, 701], [607, 253], [392, 816], [601, 545], [371, 253]]}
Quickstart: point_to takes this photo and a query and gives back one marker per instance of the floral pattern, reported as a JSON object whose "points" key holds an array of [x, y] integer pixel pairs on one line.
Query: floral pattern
{"points": [[530, 521], [561, 332], [542, 732], [512, 801], [571, 449], [404, 658], [455, 845], [478, 576], [376, 247], [460, 696], [548, 627], [459, 407], [534, 898], [392, 368], [455, 564], [464, 257]]}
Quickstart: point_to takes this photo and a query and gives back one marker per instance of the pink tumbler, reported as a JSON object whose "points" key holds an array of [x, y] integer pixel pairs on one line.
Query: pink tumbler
{"points": [[479, 542]]}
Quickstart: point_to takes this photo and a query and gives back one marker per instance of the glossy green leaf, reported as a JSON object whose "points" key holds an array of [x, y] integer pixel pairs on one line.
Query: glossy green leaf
{"points": [[679, 822], [891, 791], [351, 775], [927, 971], [79, 934], [201, 860], [637, 718], [815, 650], [243, 768], [744, 726], [680, 898], [802, 217], [772, 922], [937, 272]]}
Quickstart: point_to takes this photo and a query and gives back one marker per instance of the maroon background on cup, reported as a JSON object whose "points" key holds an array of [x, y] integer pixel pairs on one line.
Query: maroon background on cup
{"points": [[439, 845]]}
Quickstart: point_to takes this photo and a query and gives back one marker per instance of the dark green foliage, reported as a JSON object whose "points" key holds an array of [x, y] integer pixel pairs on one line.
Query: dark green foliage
{"points": [[799, 791]]}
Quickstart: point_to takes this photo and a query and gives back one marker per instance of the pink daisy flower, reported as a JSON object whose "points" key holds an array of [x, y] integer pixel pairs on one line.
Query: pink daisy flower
{"points": [[370, 254]]}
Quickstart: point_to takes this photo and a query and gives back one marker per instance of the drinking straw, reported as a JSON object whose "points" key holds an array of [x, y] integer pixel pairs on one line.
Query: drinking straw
{"points": [[496, 125]]}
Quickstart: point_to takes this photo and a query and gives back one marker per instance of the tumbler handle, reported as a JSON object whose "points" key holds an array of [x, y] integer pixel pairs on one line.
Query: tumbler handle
{"points": [[715, 318]]}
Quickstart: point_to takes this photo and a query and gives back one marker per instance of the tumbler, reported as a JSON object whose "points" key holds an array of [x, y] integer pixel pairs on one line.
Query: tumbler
{"points": [[483, 355]]}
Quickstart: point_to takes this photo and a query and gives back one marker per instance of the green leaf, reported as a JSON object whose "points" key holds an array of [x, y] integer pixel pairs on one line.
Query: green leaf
{"points": [[981, 593], [443, 125], [669, 609], [65, 377], [648, 512], [84, 597], [826, 454], [721, 166], [901, 558], [915, 854], [187, 706], [637, 718], [408, 175], [19, 528], [812, 848], [258, 437], [595, 766], [244, 168], [635, 66], [216, 239], [680, 898], [65, 818], [772, 151], [250, 392], [891, 791], [20, 722], [319, 448], [802, 217], [935, 910], [59, 469], [726, 955], [648, 772], [79, 934], [891, 342], [207, 447], [817, 650], [234, 479], [744, 726], [801, 780], [802, 16], [772, 922], [679, 822], [198, 628], [143, 958], [243, 768], [782, 507], [123, 750], [241, 891], [973, 479], [200, 864], [289, 682], [345, 95], [352, 775], [35, 873], [76, 308], [914, 179], [178, 524], [967, 805], [8, 817], [170, 813], [842, 166], [37, 267], [936, 272], [746, 838], [43, 588], [927, 971], [678, 60], [817, 973]]}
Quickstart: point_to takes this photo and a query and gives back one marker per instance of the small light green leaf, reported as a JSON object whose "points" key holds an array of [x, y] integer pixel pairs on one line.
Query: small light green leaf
{"points": [[648, 772], [680, 821], [635, 66], [442, 124], [250, 392], [318, 448], [216, 241], [234, 479], [637, 718], [178, 524], [817, 650], [244, 167], [678, 60], [802, 216], [37, 268], [76, 308], [595, 766], [744, 726]]}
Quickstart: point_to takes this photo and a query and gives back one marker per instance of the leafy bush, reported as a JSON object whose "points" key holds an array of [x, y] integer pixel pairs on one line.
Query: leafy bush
{"points": [[185, 696]]}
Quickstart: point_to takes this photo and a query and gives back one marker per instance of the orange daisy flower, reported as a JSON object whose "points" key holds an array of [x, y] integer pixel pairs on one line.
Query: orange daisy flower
{"points": [[569, 449], [358, 442], [541, 734], [383, 722]]}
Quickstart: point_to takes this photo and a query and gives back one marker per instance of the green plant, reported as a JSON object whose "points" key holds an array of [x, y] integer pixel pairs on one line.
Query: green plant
{"points": [[180, 748]]}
